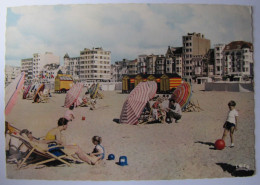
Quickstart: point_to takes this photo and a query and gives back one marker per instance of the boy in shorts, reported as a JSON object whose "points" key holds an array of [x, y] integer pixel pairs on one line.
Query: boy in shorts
{"points": [[231, 122]]}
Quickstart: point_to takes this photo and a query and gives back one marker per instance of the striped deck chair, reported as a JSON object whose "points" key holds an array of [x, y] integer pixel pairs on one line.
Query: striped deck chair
{"points": [[47, 154], [51, 154]]}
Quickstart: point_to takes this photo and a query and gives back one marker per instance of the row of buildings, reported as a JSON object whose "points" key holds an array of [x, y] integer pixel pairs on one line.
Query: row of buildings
{"points": [[193, 59]]}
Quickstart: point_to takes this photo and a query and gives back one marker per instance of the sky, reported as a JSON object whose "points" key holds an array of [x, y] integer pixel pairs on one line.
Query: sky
{"points": [[127, 30]]}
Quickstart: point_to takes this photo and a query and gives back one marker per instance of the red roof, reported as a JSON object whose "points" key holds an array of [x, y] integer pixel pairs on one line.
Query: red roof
{"points": [[238, 45]]}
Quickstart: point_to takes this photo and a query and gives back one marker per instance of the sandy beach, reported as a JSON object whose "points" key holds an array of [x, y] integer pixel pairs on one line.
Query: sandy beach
{"points": [[182, 150]]}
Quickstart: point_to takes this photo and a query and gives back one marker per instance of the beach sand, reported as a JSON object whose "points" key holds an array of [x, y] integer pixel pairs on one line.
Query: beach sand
{"points": [[182, 150]]}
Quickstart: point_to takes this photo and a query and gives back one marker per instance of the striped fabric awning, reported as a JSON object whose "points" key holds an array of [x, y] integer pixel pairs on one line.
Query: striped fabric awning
{"points": [[136, 102], [182, 94], [73, 94], [11, 92], [175, 82]]}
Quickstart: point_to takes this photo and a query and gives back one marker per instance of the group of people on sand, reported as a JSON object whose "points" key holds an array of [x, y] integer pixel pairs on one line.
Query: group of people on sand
{"points": [[16, 150], [163, 110]]}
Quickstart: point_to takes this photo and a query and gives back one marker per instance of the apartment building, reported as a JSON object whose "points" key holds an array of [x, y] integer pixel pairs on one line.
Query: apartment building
{"points": [[132, 67], [151, 63], [219, 59], [141, 66], [175, 56], [72, 65], [195, 46], [94, 65], [40, 60], [11, 72], [238, 58], [27, 68]]}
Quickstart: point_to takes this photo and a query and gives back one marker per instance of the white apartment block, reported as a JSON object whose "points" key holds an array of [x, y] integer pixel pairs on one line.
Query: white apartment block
{"points": [[151, 63], [40, 60], [33, 67], [132, 67], [219, 59], [72, 66], [238, 56], [95, 65], [175, 56], [141, 66], [11, 72], [27, 68]]}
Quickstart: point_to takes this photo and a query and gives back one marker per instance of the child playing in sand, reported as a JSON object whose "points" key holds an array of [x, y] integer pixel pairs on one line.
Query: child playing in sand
{"points": [[231, 122], [69, 115], [99, 151]]}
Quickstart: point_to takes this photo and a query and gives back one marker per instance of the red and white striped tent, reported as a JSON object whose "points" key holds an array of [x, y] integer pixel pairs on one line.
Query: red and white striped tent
{"points": [[11, 92], [73, 94], [136, 102]]}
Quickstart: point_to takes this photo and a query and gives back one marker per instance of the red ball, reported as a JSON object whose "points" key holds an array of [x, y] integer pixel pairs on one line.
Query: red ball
{"points": [[220, 144]]}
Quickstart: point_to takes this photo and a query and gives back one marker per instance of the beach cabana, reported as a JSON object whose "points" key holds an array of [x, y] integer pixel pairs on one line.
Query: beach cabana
{"points": [[136, 101], [164, 83], [138, 79]]}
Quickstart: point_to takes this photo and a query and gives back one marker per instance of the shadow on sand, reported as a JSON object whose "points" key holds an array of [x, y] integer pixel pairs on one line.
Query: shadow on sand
{"points": [[234, 171], [116, 120], [207, 143]]}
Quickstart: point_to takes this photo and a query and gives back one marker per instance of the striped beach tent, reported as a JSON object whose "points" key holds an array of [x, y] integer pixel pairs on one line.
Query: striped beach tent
{"points": [[182, 94], [12, 91], [73, 94], [136, 101]]}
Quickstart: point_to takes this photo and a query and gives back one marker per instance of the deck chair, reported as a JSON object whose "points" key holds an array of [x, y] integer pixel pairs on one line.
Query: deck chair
{"points": [[48, 154], [53, 153]]}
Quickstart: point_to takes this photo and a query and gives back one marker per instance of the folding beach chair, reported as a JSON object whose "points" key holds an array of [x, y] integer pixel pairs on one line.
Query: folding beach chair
{"points": [[47, 154], [51, 154]]}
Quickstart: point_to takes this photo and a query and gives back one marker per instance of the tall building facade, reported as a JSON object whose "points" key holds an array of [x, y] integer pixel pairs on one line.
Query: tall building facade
{"points": [[27, 68], [175, 55], [33, 67], [95, 65], [238, 56], [195, 47], [219, 59], [40, 60]]}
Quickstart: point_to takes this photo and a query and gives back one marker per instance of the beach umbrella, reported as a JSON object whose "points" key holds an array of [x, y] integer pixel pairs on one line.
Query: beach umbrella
{"points": [[26, 91], [182, 94], [136, 101], [11, 92], [39, 88], [73, 94]]}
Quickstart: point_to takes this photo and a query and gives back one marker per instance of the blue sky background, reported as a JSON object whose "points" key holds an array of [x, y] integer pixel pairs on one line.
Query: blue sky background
{"points": [[126, 30]]}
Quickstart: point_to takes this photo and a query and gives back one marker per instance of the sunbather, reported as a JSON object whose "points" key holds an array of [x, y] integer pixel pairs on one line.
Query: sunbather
{"points": [[55, 134]]}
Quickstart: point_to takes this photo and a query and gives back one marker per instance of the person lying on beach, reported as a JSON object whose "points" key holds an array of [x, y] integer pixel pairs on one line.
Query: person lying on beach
{"points": [[98, 151], [55, 134]]}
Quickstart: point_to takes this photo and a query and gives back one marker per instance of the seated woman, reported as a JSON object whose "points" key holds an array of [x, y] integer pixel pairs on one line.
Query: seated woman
{"points": [[55, 135]]}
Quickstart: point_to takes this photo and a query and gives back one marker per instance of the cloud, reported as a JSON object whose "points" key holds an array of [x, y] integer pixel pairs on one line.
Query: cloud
{"points": [[126, 30]]}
